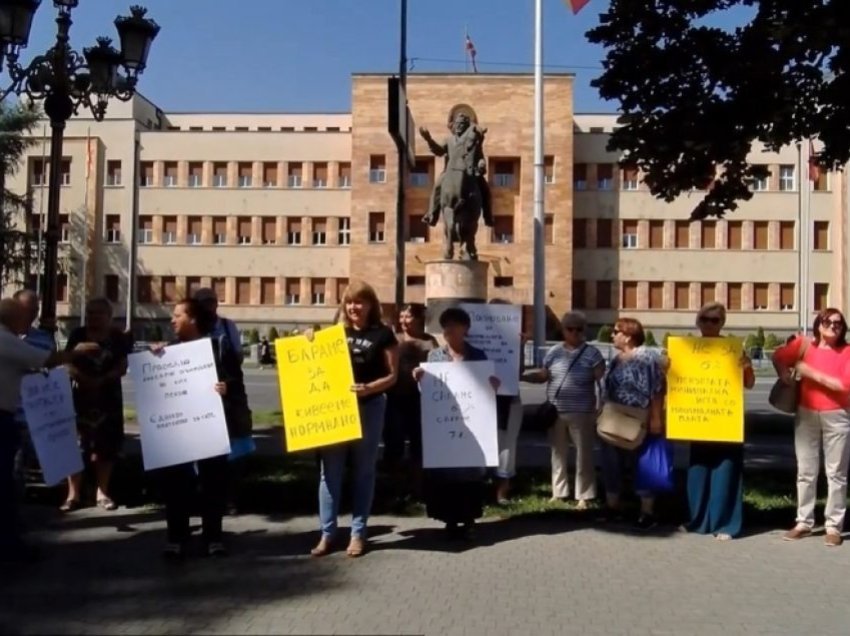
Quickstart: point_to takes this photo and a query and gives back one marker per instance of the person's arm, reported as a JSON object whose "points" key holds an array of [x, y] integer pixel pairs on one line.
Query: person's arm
{"points": [[541, 375], [831, 382], [433, 146], [749, 374], [382, 384], [784, 359]]}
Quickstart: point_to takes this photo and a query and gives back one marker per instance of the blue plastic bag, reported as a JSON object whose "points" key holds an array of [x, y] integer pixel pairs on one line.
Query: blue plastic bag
{"points": [[655, 466], [241, 446]]}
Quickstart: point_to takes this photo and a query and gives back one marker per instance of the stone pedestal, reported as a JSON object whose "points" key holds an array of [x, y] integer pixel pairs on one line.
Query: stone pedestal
{"points": [[449, 283]]}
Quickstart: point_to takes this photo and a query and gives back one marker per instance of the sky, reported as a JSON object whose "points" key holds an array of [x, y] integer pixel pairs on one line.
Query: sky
{"points": [[298, 55]]}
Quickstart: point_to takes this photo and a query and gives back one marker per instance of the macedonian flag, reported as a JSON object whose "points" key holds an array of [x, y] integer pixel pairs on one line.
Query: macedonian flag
{"points": [[577, 5]]}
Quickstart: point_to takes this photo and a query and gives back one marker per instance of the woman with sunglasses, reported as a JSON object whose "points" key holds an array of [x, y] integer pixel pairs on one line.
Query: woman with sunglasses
{"points": [[823, 421], [716, 470]]}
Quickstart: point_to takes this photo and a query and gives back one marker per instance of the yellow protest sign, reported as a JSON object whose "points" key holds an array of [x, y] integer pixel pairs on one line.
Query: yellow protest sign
{"points": [[319, 408], [705, 390]]}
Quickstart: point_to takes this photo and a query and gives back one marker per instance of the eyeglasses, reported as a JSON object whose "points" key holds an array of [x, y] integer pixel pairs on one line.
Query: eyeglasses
{"points": [[838, 323], [615, 331], [712, 320]]}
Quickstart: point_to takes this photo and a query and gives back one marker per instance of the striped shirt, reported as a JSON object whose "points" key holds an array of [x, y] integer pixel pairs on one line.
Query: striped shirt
{"points": [[577, 393]]}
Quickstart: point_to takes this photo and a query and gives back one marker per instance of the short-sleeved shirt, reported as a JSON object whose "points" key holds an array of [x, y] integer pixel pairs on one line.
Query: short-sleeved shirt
{"points": [[633, 381], [17, 359], [834, 361], [105, 401], [572, 377], [368, 348]]}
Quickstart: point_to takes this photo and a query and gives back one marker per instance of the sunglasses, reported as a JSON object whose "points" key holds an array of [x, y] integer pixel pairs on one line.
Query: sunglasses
{"points": [[711, 320], [832, 324]]}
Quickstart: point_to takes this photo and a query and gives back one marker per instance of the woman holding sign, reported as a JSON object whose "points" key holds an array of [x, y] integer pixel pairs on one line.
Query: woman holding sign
{"points": [[374, 359]]}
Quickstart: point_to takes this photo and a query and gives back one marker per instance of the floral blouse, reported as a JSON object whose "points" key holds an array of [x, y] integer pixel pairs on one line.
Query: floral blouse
{"points": [[633, 381]]}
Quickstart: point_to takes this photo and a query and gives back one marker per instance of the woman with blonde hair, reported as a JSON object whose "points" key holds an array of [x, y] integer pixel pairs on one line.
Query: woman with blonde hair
{"points": [[374, 359]]}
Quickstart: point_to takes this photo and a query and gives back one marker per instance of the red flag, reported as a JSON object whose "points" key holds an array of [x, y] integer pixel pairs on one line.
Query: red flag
{"points": [[471, 52], [814, 168], [577, 5]]}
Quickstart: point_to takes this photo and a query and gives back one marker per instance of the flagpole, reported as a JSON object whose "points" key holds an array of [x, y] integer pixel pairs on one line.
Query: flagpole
{"points": [[466, 49], [85, 237], [539, 188]]}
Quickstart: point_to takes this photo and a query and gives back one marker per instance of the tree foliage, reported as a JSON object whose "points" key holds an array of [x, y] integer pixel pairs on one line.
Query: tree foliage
{"points": [[694, 97]]}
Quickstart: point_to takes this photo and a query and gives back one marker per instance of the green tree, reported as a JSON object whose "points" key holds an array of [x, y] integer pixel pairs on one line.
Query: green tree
{"points": [[750, 341], [273, 335], [667, 340], [253, 336], [649, 339], [700, 95], [759, 342], [772, 342], [16, 255], [604, 334]]}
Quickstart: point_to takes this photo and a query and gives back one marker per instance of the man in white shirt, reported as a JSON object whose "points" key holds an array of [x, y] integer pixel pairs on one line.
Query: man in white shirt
{"points": [[17, 359]]}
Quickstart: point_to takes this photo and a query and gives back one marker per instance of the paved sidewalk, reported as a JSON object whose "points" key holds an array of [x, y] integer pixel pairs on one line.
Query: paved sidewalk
{"points": [[102, 574]]}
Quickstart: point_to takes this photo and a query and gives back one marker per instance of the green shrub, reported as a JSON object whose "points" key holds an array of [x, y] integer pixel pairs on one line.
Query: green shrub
{"points": [[649, 340], [604, 334], [772, 341], [273, 335], [760, 338], [253, 336]]}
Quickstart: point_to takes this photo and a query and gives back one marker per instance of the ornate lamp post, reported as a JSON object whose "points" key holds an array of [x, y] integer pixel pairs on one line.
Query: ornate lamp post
{"points": [[65, 80]]}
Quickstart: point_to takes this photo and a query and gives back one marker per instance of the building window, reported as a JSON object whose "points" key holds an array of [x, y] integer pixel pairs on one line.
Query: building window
{"points": [[294, 174], [219, 285], [549, 229], [220, 175], [145, 230], [580, 176], [341, 286], [144, 289], [682, 296], [761, 229], [269, 174], [66, 172], [707, 293], [761, 184], [112, 229], [64, 228], [820, 182], [194, 235], [293, 291], [417, 230], [656, 295], [603, 294], [579, 293], [196, 174], [39, 172], [629, 299], [320, 175], [111, 288], [220, 231], [377, 169], [503, 228], [243, 227], [503, 281], [821, 296], [170, 174], [656, 235], [415, 281], [760, 294], [193, 284], [268, 291], [246, 174], [420, 174], [344, 175], [344, 234], [269, 231], [146, 176], [169, 230], [549, 169], [787, 178], [708, 234], [786, 296], [503, 174], [786, 235], [376, 227], [317, 292], [629, 177], [579, 233], [736, 233], [243, 291], [113, 173], [604, 230], [735, 295], [320, 231], [683, 234], [820, 239], [168, 289], [630, 234], [293, 231], [605, 176]]}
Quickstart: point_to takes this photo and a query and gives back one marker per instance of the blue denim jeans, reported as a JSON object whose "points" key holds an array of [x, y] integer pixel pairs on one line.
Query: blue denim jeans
{"points": [[364, 453], [9, 443]]}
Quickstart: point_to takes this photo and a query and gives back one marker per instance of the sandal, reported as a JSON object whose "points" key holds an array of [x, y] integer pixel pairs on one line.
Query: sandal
{"points": [[107, 504], [323, 548], [70, 505], [356, 547]]}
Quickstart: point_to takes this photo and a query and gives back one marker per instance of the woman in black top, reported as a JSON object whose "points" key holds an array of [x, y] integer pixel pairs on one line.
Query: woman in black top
{"points": [[374, 360]]}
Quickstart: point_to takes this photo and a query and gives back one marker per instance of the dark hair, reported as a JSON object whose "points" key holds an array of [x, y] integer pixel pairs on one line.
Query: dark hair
{"points": [[204, 318], [455, 316], [632, 329], [823, 315], [416, 310], [101, 302]]}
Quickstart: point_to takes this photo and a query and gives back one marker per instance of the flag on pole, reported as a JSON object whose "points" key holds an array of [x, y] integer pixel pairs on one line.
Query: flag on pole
{"points": [[814, 168], [577, 5], [471, 52]]}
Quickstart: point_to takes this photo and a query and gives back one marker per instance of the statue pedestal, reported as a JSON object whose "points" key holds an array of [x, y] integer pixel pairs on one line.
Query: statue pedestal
{"points": [[449, 283]]}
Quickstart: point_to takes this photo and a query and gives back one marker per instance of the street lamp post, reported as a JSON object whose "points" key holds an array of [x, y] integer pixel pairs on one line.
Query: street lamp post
{"points": [[64, 80]]}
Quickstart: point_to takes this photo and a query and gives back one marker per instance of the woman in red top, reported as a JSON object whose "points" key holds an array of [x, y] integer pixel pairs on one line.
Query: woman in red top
{"points": [[822, 419]]}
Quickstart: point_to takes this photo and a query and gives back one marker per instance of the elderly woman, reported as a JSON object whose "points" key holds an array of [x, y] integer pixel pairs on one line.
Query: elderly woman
{"points": [[823, 421], [715, 474], [572, 371]]}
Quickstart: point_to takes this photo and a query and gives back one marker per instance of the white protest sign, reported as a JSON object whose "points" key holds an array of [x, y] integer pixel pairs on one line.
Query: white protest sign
{"points": [[181, 417], [459, 415], [49, 411], [496, 331]]}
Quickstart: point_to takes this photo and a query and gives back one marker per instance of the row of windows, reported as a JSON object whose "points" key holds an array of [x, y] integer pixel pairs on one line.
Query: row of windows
{"points": [[659, 234], [677, 296], [261, 128]]}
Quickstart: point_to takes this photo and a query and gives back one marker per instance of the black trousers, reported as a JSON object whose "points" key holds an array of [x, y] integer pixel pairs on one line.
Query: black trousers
{"points": [[9, 441], [180, 485]]}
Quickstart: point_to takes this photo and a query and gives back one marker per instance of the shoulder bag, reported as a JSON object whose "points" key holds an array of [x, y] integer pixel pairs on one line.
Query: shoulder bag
{"points": [[622, 426], [546, 414], [786, 397]]}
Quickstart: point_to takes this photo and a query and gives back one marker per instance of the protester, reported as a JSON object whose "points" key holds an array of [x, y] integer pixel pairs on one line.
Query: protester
{"points": [[716, 471], [374, 359], [572, 371], [634, 381], [822, 422], [17, 359], [266, 358], [404, 417], [191, 321], [455, 495], [224, 330], [98, 400]]}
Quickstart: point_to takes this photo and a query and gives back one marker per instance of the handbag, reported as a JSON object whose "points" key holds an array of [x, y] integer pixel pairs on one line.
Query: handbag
{"points": [[786, 397], [546, 414], [622, 426], [654, 471]]}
